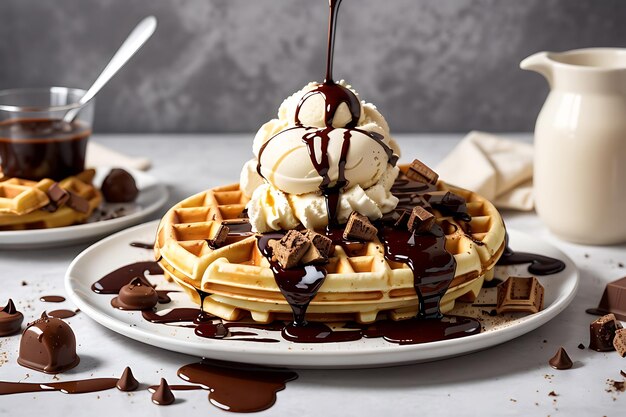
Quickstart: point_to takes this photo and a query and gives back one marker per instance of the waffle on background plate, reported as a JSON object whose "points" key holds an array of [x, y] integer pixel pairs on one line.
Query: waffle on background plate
{"points": [[360, 283], [24, 204]]}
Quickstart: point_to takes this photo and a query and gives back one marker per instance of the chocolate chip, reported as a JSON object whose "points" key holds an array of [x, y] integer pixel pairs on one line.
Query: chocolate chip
{"points": [[561, 360], [359, 227], [418, 171]]}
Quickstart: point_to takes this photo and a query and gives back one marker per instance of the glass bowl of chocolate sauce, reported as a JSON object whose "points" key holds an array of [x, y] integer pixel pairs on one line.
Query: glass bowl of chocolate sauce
{"points": [[35, 142]]}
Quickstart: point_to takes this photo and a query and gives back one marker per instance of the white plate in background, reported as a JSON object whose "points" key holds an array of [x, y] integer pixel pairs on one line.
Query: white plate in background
{"points": [[152, 196]]}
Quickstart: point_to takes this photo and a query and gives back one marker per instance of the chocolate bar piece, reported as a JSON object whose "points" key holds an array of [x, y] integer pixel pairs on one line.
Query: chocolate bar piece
{"points": [[319, 250], [219, 237], [402, 219], [419, 171], [520, 294], [77, 202], [601, 333], [290, 249], [359, 227], [57, 195], [421, 220], [619, 342], [614, 299]]}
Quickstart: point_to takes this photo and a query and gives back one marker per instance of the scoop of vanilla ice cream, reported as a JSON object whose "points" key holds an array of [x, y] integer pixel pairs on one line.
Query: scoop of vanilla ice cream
{"points": [[270, 209], [288, 192]]}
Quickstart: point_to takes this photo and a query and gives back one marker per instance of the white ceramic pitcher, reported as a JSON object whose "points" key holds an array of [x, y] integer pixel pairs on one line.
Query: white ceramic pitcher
{"points": [[580, 144]]}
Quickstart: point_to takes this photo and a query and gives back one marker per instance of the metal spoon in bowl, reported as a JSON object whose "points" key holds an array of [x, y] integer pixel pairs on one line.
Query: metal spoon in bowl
{"points": [[132, 44]]}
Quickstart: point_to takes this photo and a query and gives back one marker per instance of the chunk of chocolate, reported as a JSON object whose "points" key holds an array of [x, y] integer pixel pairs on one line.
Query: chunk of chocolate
{"points": [[219, 237], [520, 294], [619, 342], [10, 319], [561, 360], [614, 299], [320, 250], [119, 187], [359, 227], [136, 295], [48, 345], [290, 249], [419, 171], [163, 394], [127, 381], [601, 333], [58, 197], [401, 219], [421, 220], [77, 202]]}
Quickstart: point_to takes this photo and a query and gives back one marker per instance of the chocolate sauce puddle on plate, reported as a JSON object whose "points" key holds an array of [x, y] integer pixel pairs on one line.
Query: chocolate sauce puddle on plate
{"points": [[142, 245], [236, 387], [114, 281], [539, 264], [66, 387]]}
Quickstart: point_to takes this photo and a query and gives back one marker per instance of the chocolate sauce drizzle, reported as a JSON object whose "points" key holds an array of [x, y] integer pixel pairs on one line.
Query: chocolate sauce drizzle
{"points": [[114, 281], [142, 245]]}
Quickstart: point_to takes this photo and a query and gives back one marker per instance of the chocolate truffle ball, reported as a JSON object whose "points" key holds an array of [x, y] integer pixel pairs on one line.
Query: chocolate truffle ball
{"points": [[10, 320], [136, 295], [119, 187], [48, 345]]}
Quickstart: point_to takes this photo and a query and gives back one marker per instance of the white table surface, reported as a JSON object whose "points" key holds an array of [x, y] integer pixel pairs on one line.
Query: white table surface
{"points": [[510, 379]]}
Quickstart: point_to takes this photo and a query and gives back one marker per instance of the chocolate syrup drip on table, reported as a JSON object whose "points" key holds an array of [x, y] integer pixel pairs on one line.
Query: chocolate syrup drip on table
{"points": [[114, 281], [236, 387], [539, 264], [52, 299], [61, 314], [66, 387]]}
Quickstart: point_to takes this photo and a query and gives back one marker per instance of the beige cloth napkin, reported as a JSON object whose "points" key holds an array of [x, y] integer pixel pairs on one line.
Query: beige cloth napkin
{"points": [[101, 156], [498, 169]]}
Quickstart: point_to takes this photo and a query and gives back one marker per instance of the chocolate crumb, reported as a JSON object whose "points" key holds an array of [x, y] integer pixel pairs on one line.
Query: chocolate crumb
{"points": [[620, 265], [24, 283], [553, 394], [581, 346]]}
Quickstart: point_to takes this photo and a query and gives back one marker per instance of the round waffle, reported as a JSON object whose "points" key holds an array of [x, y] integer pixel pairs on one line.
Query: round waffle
{"points": [[28, 198], [360, 285]]}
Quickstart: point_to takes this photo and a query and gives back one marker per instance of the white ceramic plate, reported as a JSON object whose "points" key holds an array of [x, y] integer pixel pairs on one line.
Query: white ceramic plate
{"points": [[152, 196], [114, 251]]}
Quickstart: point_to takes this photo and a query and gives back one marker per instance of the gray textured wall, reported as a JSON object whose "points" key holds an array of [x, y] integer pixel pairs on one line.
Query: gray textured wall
{"points": [[225, 65]]}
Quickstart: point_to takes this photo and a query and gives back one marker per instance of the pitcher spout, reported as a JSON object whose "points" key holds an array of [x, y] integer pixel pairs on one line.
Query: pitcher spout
{"points": [[540, 63]]}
